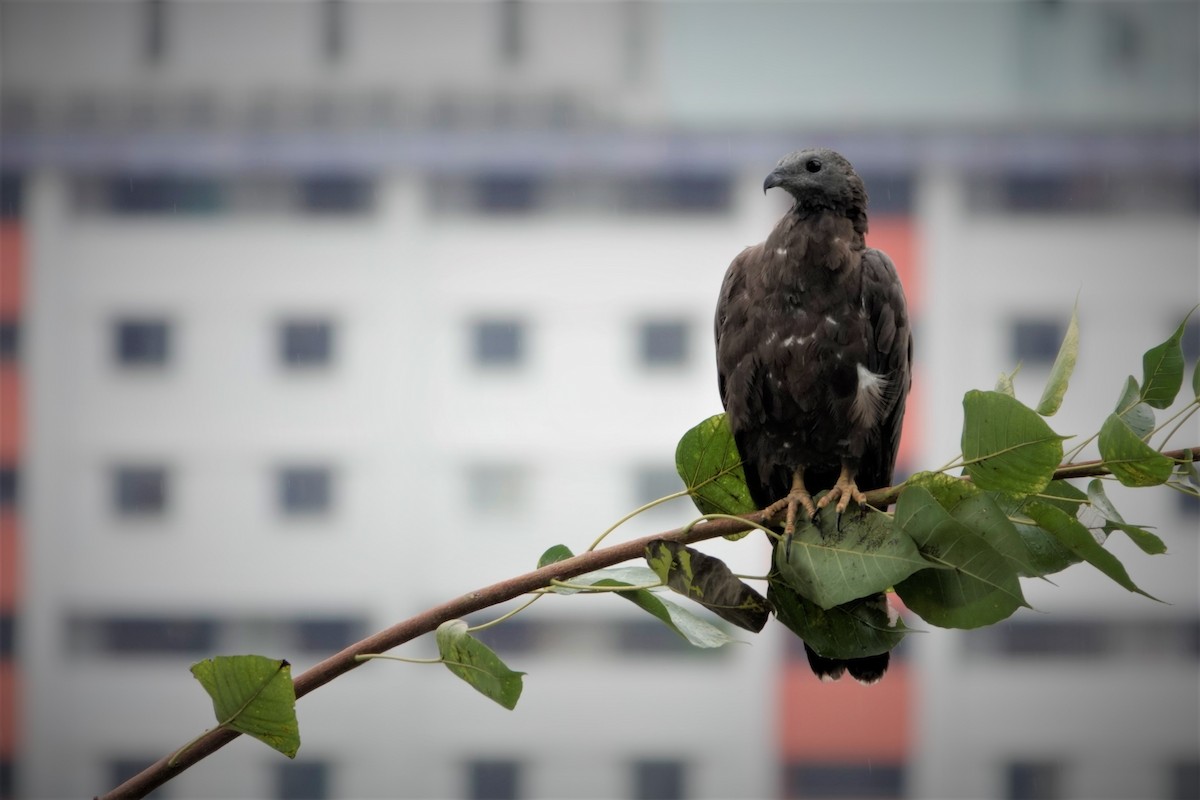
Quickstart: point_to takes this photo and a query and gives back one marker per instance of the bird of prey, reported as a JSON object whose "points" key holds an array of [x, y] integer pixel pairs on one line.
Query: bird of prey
{"points": [[813, 356]]}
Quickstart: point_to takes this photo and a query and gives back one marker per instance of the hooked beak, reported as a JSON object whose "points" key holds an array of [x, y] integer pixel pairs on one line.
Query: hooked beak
{"points": [[773, 180]]}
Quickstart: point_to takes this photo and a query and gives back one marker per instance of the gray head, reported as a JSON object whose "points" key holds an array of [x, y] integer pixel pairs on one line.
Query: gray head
{"points": [[821, 179]]}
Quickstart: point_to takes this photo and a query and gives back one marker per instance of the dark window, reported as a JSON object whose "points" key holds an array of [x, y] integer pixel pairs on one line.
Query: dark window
{"points": [[327, 635], [663, 343], [679, 193], [511, 637], [306, 343], [652, 482], [9, 486], [889, 193], [507, 193], [305, 490], [499, 489], [1188, 504], [498, 342], [8, 778], [1185, 779], [302, 780], [659, 779], [1074, 638], [154, 27], [164, 194], [11, 195], [140, 490], [142, 342], [1035, 342], [873, 780], [493, 779], [333, 30], [121, 636], [122, 769], [8, 636], [336, 194], [10, 339], [1191, 340], [1033, 780]]}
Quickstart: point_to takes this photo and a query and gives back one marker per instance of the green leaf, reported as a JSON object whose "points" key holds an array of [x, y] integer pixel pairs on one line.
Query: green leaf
{"points": [[982, 516], [1046, 555], [982, 588], [614, 576], [708, 462], [856, 629], [948, 489], [1132, 461], [255, 696], [1079, 540], [695, 630], [559, 552], [1007, 445], [476, 663], [1064, 365], [1004, 383], [1137, 415], [1196, 380], [831, 566], [709, 582], [1144, 539], [1162, 370]]}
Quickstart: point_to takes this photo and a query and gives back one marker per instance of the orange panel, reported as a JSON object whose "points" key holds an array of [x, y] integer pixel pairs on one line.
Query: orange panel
{"points": [[843, 720], [8, 709], [912, 435], [11, 418], [12, 255], [10, 561], [897, 237]]}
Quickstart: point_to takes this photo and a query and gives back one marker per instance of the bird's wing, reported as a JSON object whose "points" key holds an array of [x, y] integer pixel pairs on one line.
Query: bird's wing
{"points": [[889, 353], [731, 316]]}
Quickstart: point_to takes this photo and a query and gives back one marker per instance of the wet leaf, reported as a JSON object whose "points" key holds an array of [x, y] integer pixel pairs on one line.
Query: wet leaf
{"points": [[709, 582], [831, 564], [255, 696], [1007, 445], [559, 552], [1132, 461], [1137, 415], [695, 630], [1064, 365], [1162, 370], [1079, 540], [1144, 539], [476, 663], [1046, 555], [856, 629], [980, 587], [708, 462]]}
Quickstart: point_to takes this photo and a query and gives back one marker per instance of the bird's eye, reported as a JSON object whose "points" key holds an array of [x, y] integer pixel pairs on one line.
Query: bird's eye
{"points": [[813, 165]]}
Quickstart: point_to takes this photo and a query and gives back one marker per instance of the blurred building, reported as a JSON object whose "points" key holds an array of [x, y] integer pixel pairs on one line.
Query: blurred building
{"points": [[330, 311]]}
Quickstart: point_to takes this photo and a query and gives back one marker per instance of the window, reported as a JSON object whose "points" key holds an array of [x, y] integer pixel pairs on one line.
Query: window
{"points": [[8, 777], [659, 779], [8, 636], [859, 781], [683, 192], [1191, 340], [663, 343], [302, 780], [1035, 342], [336, 194], [1129, 639], [498, 342], [10, 194], [140, 490], [497, 488], [889, 193], [141, 343], [10, 339], [647, 637], [139, 636], [306, 344], [165, 194], [1033, 780], [514, 637], [1185, 779], [507, 193], [305, 491], [493, 779], [328, 635], [8, 486], [652, 482]]}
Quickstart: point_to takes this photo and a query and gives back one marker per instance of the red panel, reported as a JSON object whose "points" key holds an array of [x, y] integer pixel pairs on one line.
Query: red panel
{"points": [[10, 561], [9, 712], [11, 418], [897, 237], [12, 260], [844, 720], [912, 435]]}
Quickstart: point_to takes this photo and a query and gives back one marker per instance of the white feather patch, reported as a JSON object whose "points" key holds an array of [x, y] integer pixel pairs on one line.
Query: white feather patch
{"points": [[869, 397]]}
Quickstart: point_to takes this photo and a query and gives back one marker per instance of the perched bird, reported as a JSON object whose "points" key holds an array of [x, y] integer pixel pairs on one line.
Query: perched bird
{"points": [[813, 356]]}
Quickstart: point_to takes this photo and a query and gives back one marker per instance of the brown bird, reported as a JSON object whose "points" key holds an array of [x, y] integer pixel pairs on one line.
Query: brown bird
{"points": [[813, 356]]}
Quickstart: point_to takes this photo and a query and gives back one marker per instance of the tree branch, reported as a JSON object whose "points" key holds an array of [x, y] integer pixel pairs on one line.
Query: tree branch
{"points": [[161, 771]]}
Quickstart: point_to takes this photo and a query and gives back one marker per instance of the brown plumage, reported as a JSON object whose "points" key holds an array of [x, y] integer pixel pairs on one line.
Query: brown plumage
{"points": [[813, 355]]}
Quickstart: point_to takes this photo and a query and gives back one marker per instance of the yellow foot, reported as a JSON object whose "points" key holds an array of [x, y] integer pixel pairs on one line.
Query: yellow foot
{"points": [[843, 491], [797, 497]]}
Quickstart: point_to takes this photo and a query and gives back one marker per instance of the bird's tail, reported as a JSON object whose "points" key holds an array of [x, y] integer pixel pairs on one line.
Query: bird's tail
{"points": [[866, 671]]}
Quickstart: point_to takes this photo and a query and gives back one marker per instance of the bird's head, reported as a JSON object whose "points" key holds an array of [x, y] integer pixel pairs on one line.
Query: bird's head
{"points": [[819, 178]]}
